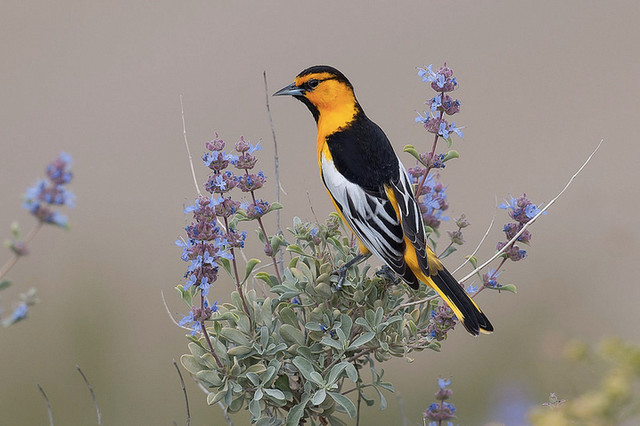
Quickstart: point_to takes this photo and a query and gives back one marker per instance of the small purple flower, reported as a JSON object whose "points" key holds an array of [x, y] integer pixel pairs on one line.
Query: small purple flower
{"points": [[251, 182], [216, 144]]}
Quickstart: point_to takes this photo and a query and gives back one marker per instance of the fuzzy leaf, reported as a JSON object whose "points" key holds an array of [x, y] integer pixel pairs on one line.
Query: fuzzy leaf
{"points": [[344, 402], [319, 397], [296, 413], [275, 394], [291, 335], [410, 149], [250, 265], [362, 340], [450, 155], [235, 335], [307, 370]]}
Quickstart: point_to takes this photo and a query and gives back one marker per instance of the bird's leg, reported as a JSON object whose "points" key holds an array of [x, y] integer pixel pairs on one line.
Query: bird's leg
{"points": [[342, 271], [386, 272]]}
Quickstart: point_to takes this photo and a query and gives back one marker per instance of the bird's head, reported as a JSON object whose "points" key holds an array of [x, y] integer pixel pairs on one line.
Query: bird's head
{"points": [[324, 90]]}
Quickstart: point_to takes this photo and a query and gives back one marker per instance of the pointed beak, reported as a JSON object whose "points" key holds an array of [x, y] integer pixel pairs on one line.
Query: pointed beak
{"points": [[291, 90]]}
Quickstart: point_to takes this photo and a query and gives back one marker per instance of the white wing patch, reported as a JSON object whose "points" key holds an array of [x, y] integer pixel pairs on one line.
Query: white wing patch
{"points": [[367, 217]]}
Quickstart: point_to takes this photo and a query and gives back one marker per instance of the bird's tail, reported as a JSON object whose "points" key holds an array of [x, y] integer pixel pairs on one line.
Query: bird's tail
{"points": [[469, 314]]}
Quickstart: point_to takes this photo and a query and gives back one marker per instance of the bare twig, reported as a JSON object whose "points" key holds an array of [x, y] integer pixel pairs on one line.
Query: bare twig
{"points": [[44, 395], [14, 258], [93, 395], [276, 160], [533, 219], [164, 301], [479, 244], [184, 390], [186, 144], [403, 414]]}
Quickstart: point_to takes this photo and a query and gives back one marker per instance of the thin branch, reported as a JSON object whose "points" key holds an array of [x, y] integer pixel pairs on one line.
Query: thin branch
{"points": [[184, 390], [164, 301], [44, 395], [479, 244], [533, 219], [15, 257], [186, 144], [358, 412], [403, 414], [276, 160], [93, 395]]}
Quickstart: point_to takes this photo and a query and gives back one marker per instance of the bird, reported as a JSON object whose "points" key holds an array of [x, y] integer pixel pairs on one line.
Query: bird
{"points": [[372, 192]]}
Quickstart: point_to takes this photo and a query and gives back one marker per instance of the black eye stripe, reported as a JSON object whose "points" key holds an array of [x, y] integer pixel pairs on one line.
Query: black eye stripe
{"points": [[313, 83]]}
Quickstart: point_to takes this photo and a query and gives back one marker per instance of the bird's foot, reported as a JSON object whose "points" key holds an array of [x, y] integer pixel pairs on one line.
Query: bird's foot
{"points": [[387, 273]]}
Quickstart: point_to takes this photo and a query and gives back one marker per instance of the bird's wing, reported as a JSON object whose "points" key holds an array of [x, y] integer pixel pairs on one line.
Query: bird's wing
{"points": [[372, 217], [411, 218]]}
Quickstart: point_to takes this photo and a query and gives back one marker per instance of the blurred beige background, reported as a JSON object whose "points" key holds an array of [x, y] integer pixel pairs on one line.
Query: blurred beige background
{"points": [[540, 83]]}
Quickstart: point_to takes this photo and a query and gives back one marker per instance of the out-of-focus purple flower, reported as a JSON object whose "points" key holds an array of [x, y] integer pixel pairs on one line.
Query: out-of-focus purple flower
{"points": [[19, 313], [49, 192], [441, 411]]}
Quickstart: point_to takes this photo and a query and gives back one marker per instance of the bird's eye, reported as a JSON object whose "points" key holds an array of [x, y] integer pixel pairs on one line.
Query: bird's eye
{"points": [[312, 84]]}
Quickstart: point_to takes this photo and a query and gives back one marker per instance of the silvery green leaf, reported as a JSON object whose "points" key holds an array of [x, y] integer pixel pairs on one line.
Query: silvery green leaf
{"points": [[352, 372], [450, 155], [269, 374], [258, 395], [346, 323], [226, 265], [295, 414], [345, 403], [342, 338], [254, 378], [306, 369], [240, 350], [313, 326], [213, 398], [190, 363], [410, 149], [236, 336], [267, 421], [209, 377], [252, 263], [254, 409], [328, 341], [316, 378], [287, 316], [448, 251], [319, 397], [335, 372], [379, 313], [256, 368], [362, 340], [275, 394], [264, 336], [196, 350], [363, 323], [383, 400], [292, 335]]}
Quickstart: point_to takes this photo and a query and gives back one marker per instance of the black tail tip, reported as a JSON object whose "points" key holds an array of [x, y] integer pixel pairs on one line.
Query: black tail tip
{"points": [[478, 325]]}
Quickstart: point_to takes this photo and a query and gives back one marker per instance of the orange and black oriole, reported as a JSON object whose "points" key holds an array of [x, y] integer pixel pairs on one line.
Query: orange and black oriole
{"points": [[371, 190]]}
